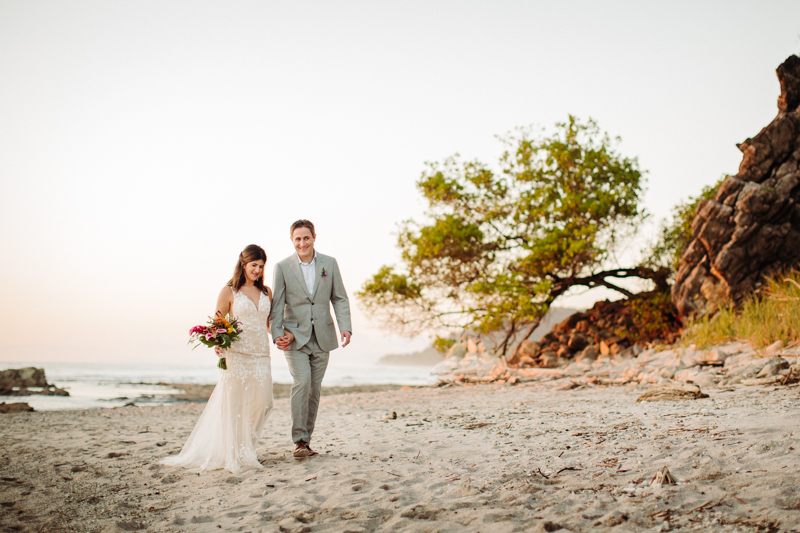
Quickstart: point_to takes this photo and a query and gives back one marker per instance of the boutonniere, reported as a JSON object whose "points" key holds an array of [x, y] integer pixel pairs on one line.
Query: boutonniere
{"points": [[324, 274]]}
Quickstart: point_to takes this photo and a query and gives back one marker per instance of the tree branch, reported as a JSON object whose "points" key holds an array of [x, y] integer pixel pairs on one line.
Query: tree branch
{"points": [[659, 277], [606, 283], [509, 333]]}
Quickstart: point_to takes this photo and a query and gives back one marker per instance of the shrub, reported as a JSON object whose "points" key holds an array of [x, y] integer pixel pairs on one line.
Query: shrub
{"points": [[653, 317]]}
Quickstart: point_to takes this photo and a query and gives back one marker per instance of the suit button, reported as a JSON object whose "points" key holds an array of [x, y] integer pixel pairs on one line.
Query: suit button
{"points": [[312, 303]]}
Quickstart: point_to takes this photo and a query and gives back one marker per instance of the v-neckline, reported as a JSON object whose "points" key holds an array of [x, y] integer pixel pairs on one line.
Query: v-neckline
{"points": [[256, 305]]}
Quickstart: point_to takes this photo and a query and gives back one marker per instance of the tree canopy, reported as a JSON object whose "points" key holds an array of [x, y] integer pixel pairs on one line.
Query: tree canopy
{"points": [[496, 248]]}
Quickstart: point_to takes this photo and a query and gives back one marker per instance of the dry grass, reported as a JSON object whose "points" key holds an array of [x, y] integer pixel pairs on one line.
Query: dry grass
{"points": [[760, 321]]}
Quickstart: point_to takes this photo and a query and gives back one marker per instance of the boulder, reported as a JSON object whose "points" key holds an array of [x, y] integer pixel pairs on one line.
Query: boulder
{"points": [[704, 380], [715, 355], [21, 378], [549, 359], [15, 408], [526, 361], [774, 348], [577, 341], [751, 228], [744, 371], [472, 345], [456, 351], [668, 372], [773, 367], [604, 349], [526, 351], [589, 353], [650, 377]]}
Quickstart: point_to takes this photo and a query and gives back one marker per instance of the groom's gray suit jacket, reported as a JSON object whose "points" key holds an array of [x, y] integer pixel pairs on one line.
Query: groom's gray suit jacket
{"points": [[297, 311]]}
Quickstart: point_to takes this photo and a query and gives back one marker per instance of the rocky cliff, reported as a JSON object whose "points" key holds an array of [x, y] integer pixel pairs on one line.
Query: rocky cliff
{"points": [[751, 229]]}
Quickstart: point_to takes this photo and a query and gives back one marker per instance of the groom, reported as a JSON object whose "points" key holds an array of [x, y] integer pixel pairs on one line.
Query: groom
{"points": [[305, 285]]}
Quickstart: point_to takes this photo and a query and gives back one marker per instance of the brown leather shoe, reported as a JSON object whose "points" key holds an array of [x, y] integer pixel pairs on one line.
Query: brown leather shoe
{"points": [[300, 450], [310, 451]]}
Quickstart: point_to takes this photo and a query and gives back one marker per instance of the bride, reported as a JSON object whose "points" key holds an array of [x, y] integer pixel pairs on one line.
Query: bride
{"points": [[229, 427]]}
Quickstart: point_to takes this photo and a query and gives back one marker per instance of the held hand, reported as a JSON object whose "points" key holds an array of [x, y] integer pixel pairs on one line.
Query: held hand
{"points": [[345, 338], [285, 341], [219, 351]]}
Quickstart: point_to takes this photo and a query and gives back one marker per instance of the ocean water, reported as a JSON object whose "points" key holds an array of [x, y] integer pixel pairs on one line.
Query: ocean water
{"points": [[94, 385]]}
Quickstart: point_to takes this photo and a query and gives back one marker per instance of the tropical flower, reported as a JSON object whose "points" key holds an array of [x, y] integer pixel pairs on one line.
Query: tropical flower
{"points": [[221, 331]]}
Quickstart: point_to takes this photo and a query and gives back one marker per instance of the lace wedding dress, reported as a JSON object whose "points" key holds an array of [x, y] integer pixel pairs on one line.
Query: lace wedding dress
{"points": [[229, 427]]}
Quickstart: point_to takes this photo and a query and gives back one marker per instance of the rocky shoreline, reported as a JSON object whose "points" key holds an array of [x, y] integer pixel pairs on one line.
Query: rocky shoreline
{"points": [[718, 366]]}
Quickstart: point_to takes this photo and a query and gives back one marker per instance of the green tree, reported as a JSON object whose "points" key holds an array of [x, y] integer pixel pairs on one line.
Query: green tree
{"points": [[497, 248]]}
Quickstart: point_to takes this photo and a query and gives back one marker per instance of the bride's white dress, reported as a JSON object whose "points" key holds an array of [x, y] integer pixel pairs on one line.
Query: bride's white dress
{"points": [[229, 427]]}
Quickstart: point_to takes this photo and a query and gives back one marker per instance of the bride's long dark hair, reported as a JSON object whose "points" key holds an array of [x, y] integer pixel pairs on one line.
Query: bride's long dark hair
{"points": [[252, 252]]}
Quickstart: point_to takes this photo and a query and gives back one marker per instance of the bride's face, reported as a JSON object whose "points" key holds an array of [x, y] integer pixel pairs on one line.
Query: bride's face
{"points": [[254, 270]]}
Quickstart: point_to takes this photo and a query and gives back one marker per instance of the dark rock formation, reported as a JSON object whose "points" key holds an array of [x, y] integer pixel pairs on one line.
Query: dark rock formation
{"points": [[15, 408], [607, 329], [21, 377], [789, 76], [15, 382], [751, 229]]}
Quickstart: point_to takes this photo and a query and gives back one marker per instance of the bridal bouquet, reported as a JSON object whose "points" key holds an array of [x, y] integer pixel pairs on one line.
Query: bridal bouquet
{"points": [[221, 331]]}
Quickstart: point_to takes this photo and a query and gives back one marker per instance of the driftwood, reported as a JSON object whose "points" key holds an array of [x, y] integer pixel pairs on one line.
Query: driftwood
{"points": [[672, 391], [663, 477]]}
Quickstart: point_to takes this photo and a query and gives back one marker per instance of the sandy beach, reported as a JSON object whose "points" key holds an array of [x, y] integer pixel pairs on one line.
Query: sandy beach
{"points": [[478, 458]]}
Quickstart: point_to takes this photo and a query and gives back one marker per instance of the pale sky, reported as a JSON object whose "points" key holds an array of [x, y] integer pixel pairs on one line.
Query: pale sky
{"points": [[143, 144]]}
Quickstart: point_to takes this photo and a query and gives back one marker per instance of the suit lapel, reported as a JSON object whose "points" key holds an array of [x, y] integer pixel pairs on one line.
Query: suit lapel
{"points": [[299, 274], [318, 267]]}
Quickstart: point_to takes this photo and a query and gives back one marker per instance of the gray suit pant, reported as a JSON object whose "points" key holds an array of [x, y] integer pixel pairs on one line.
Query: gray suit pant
{"points": [[307, 366]]}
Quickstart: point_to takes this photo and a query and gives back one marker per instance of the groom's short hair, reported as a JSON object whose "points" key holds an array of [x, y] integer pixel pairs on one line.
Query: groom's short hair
{"points": [[302, 223]]}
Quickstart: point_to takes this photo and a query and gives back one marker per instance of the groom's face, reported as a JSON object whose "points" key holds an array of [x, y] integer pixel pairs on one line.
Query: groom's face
{"points": [[303, 242]]}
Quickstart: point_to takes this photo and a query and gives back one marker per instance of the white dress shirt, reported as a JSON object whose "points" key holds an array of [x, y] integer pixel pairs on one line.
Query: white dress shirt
{"points": [[309, 271]]}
